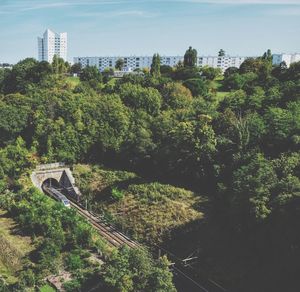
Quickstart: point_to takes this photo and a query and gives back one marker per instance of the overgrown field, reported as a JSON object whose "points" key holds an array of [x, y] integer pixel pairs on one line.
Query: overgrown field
{"points": [[13, 248], [147, 210]]}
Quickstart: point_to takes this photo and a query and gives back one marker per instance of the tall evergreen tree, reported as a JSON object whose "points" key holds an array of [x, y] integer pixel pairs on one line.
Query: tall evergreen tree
{"points": [[120, 64], [190, 58], [221, 53], [155, 66]]}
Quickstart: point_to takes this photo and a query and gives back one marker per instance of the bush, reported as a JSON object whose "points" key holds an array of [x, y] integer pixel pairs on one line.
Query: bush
{"points": [[74, 262], [117, 194]]}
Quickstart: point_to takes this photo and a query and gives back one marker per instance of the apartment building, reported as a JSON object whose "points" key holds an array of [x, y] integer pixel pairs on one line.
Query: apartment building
{"points": [[134, 62], [287, 58], [51, 44]]}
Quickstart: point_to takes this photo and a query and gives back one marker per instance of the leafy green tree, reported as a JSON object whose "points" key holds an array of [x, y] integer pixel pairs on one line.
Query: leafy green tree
{"points": [[137, 97], [211, 73], [74, 262], [190, 58], [28, 278], [72, 286], [17, 79], [185, 73], [119, 64], [155, 66], [166, 70], [197, 86], [267, 55], [91, 74], [221, 53], [161, 279], [76, 68], [253, 185], [234, 81], [13, 120], [229, 71], [176, 95], [117, 272], [59, 65]]}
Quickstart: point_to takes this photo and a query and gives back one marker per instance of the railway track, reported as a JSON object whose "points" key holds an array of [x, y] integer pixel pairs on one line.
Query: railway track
{"points": [[112, 235]]}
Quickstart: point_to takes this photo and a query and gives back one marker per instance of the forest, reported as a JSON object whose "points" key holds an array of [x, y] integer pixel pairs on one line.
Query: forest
{"points": [[233, 137]]}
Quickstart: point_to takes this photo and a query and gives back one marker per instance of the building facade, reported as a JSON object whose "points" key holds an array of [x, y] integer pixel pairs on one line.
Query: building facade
{"points": [[140, 62], [51, 44], [130, 62], [287, 58]]}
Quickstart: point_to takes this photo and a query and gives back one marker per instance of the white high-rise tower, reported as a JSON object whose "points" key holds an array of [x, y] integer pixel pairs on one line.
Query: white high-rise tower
{"points": [[52, 44]]}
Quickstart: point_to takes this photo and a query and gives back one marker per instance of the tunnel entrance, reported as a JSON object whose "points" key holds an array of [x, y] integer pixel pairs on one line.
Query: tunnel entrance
{"points": [[51, 182]]}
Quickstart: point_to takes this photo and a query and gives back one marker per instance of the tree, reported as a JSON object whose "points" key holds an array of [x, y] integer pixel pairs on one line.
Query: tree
{"points": [[137, 97], [76, 68], [176, 95], [155, 66], [211, 73], [166, 70], [221, 53], [229, 71], [120, 64], [18, 79], [190, 58], [161, 278], [197, 86], [59, 65], [253, 183], [92, 75], [267, 55]]}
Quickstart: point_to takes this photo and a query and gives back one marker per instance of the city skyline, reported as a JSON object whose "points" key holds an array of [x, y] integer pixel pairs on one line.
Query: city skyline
{"points": [[112, 28]]}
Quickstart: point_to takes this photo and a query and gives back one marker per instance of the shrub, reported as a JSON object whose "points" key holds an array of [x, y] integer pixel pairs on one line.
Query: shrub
{"points": [[117, 194]]}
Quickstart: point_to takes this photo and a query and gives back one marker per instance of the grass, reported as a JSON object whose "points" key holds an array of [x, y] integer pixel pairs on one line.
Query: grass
{"points": [[147, 210], [221, 95], [13, 248], [47, 288], [73, 81]]}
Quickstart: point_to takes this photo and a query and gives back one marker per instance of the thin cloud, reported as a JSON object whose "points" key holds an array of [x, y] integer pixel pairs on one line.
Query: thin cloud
{"points": [[23, 6], [112, 14], [241, 2], [295, 11]]}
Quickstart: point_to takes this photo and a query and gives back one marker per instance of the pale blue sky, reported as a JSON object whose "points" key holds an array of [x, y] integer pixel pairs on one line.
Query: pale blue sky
{"points": [[143, 27]]}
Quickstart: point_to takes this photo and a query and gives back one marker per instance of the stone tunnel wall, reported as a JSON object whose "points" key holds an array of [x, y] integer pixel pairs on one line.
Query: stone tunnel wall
{"points": [[62, 175]]}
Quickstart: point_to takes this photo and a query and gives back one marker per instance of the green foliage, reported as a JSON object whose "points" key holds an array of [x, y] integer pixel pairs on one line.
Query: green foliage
{"points": [[133, 270], [28, 277], [155, 66], [74, 262], [137, 97], [221, 53], [176, 96], [91, 75], [117, 194], [120, 64], [72, 286], [197, 86], [211, 73], [190, 58], [59, 65], [253, 183], [239, 147]]}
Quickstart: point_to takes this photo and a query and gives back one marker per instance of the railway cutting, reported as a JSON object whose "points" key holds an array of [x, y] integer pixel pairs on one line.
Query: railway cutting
{"points": [[57, 181]]}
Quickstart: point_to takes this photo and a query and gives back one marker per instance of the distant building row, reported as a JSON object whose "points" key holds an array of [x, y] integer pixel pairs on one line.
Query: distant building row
{"points": [[56, 44], [135, 62]]}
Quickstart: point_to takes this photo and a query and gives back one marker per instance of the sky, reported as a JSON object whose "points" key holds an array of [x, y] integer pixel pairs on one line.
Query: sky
{"points": [[144, 27]]}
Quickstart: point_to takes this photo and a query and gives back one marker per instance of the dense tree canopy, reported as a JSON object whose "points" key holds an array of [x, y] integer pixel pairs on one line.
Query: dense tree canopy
{"points": [[240, 146]]}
